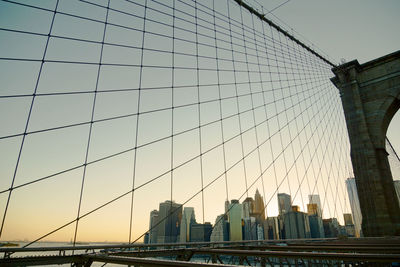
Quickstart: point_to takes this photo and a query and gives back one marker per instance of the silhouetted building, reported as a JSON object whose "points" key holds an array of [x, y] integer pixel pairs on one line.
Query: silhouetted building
{"points": [[314, 199], [284, 203], [354, 204], [152, 227], [259, 210], [312, 209], [220, 232], [331, 227], [226, 207], [296, 225], [188, 218], [347, 218], [296, 208], [272, 228], [235, 220], [248, 207], [146, 238], [348, 224], [249, 228], [200, 232], [170, 214], [316, 225]]}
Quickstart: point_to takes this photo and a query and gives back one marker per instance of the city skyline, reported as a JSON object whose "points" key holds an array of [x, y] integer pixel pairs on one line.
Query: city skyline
{"points": [[204, 105], [247, 221]]}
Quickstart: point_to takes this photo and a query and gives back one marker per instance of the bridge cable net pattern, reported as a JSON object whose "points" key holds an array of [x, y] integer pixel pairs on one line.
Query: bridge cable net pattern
{"points": [[109, 108]]}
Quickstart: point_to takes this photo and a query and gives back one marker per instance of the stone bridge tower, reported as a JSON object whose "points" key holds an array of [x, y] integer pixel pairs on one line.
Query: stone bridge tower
{"points": [[370, 96]]}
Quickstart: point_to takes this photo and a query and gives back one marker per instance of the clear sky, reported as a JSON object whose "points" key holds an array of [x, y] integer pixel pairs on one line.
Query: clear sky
{"points": [[295, 109], [356, 29]]}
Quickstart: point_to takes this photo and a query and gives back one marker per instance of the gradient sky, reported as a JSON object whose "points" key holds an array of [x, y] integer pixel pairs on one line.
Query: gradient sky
{"points": [[357, 29], [41, 207]]}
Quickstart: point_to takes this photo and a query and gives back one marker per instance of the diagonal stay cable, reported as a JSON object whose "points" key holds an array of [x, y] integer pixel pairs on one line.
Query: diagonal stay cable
{"points": [[137, 123], [115, 90], [236, 93], [90, 128], [149, 143], [118, 25], [153, 179], [231, 167], [123, 26], [135, 114], [28, 119], [262, 173], [301, 151]]}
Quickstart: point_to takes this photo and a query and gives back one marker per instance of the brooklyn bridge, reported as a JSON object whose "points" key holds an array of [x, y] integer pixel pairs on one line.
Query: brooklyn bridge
{"points": [[190, 133]]}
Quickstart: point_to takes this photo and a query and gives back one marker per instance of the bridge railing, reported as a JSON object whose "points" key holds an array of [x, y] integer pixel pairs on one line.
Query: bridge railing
{"points": [[305, 252]]}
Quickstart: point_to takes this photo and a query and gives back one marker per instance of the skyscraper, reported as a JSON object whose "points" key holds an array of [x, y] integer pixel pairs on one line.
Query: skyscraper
{"points": [[220, 232], [187, 220], [259, 210], [152, 226], [249, 228], [349, 225], [235, 220], [296, 225], [331, 227], [170, 214], [316, 225], [272, 228], [284, 203], [314, 199], [226, 207], [146, 238], [347, 219], [295, 208], [200, 232], [248, 207], [312, 209], [354, 204]]}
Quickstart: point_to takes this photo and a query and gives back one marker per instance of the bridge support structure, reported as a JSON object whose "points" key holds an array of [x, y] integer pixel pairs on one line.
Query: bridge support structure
{"points": [[370, 96]]}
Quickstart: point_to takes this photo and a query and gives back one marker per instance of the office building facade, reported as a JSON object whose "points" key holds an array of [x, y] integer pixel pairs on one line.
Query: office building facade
{"points": [[170, 215], [284, 203], [355, 205], [259, 209], [315, 199], [220, 232], [200, 232], [316, 226], [296, 225], [152, 227], [188, 218], [235, 220], [272, 228]]}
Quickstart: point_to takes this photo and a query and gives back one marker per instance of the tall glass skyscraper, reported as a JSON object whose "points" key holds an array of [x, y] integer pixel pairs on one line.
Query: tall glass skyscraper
{"points": [[297, 225], [170, 214], [284, 203], [314, 199], [187, 220], [220, 231], [248, 207], [235, 220], [152, 226], [259, 206], [355, 205]]}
